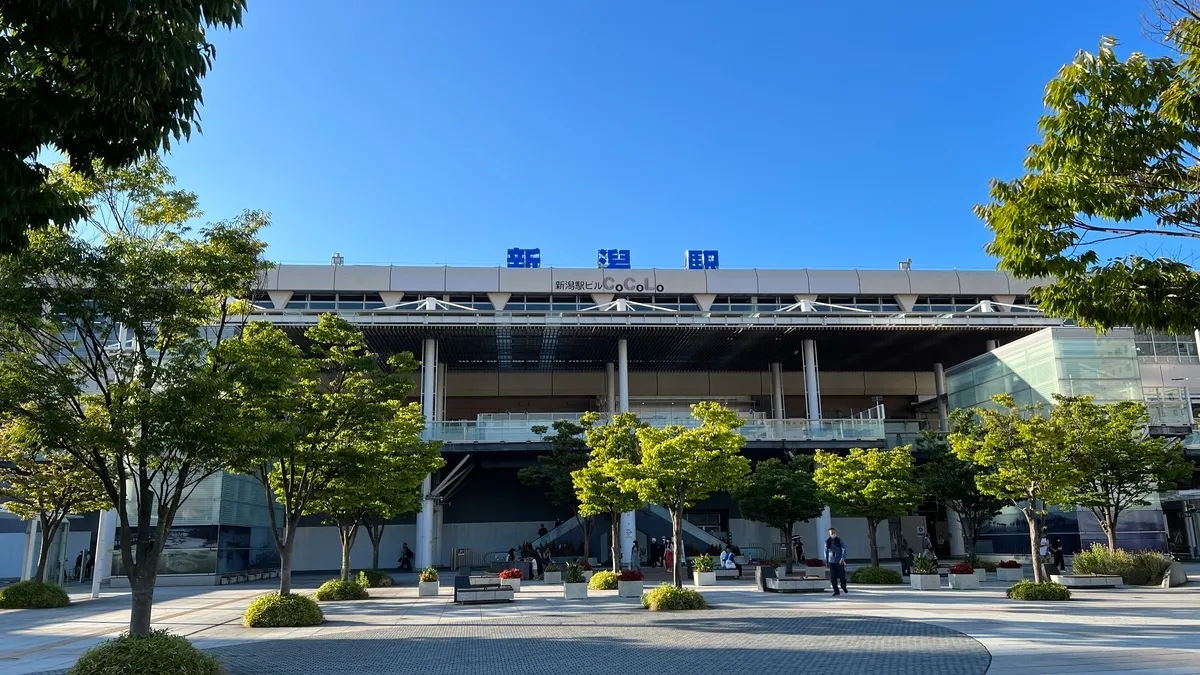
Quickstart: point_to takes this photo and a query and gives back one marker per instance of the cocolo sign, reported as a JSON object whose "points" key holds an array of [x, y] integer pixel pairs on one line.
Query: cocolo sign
{"points": [[613, 284]]}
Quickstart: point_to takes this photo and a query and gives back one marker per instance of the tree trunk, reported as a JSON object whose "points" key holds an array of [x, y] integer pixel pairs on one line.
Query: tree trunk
{"points": [[47, 535], [615, 544], [348, 532], [1034, 538], [285, 563], [374, 554], [680, 549], [586, 526], [872, 525], [142, 590], [787, 547], [375, 534], [1109, 524]]}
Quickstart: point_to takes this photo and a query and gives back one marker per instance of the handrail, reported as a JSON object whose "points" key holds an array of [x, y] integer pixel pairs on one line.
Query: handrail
{"points": [[516, 431]]}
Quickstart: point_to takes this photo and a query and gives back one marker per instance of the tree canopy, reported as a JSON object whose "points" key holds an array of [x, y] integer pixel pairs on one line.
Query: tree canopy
{"points": [[780, 494], [108, 82], [951, 480], [874, 484]]}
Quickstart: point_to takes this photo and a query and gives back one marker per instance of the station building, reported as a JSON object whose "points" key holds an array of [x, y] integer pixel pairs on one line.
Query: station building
{"points": [[812, 359]]}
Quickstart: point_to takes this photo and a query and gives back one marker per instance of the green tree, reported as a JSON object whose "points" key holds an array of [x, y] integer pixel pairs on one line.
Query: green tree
{"points": [[1030, 457], [104, 81], [1116, 161], [1120, 464], [311, 414], [951, 481], [552, 472], [380, 479], [680, 466], [106, 347], [600, 485], [873, 484], [43, 482], [781, 494]]}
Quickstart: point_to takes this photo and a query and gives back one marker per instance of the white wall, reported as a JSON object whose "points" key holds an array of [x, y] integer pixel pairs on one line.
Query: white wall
{"points": [[487, 537], [319, 548], [12, 554], [853, 532]]}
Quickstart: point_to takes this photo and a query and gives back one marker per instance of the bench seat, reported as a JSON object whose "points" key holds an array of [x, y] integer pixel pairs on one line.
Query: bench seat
{"points": [[723, 573], [1087, 580], [469, 591]]}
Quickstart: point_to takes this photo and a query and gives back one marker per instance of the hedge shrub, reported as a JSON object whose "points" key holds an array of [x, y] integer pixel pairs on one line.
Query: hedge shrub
{"points": [[1028, 590], [336, 589], [274, 610], [667, 598], [604, 581], [32, 595], [1149, 568], [875, 575], [159, 653], [374, 579], [1143, 568]]}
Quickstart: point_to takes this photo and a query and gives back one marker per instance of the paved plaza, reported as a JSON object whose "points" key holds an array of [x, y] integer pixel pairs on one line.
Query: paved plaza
{"points": [[873, 630]]}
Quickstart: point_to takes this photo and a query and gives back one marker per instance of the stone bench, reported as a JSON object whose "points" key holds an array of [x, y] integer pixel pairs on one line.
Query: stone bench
{"points": [[767, 581], [467, 592], [723, 573], [1087, 580]]}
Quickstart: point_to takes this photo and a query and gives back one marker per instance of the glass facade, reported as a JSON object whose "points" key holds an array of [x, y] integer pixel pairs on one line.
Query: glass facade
{"points": [[1166, 348]]}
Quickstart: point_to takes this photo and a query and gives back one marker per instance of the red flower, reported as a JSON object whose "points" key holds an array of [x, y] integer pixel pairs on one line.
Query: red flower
{"points": [[962, 568], [1009, 564], [632, 575], [511, 574]]}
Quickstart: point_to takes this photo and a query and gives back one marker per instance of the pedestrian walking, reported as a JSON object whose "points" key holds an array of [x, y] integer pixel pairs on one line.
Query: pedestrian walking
{"points": [[1056, 550], [835, 558]]}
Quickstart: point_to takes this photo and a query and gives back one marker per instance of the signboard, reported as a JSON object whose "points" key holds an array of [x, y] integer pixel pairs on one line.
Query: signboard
{"points": [[701, 260], [613, 259], [524, 258], [609, 284]]}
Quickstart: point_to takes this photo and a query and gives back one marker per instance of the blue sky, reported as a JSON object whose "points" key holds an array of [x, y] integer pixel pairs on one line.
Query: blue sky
{"points": [[783, 134]]}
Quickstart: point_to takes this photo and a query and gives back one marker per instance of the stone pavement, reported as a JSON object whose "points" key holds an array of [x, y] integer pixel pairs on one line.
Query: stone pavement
{"points": [[873, 630]]}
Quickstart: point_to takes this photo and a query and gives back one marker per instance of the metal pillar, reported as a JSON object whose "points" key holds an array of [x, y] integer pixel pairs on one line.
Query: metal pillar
{"points": [[812, 388], [629, 518], [777, 391], [991, 345], [610, 381], [102, 567], [439, 407], [424, 550], [31, 542], [939, 388]]}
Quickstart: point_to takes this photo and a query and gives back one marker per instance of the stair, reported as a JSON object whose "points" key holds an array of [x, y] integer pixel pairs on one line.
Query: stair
{"points": [[559, 531], [689, 530]]}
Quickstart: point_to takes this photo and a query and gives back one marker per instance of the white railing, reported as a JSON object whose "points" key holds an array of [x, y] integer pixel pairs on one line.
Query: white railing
{"points": [[518, 431]]}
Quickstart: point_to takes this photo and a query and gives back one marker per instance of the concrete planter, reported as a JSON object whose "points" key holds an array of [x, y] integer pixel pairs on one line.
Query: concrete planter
{"points": [[553, 577], [629, 589], [427, 588], [817, 572], [587, 575], [515, 583], [575, 591], [981, 574], [964, 582], [925, 582], [1010, 573], [705, 578]]}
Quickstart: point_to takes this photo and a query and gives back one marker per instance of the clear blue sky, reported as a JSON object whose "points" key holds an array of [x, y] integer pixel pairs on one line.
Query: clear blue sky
{"points": [[783, 134]]}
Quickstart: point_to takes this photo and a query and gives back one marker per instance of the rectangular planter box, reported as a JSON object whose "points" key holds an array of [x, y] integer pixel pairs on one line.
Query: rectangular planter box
{"points": [[981, 574], [629, 589], [817, 572], [553, 577], [515, 583], [427, 588], [574, 591], [925, 582], [964, 582], [705, 578], [1010, 573]]}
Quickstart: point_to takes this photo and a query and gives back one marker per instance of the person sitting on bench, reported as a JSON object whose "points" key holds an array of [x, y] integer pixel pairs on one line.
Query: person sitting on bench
{"points": [[729, 560]]}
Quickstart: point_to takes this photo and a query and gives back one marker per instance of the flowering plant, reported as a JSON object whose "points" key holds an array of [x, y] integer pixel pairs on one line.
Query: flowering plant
{"points": [[511, 574], [814, 562], [632, 575], [962, 568], [1009, 564], [429, 574]]}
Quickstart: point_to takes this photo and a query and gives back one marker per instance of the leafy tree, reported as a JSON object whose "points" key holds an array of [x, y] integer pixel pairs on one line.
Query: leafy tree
{"points": [[680, 466], [1029, 456], [105, 81], [951, 481], [568, 453], [106, 347], [311, 415], [381, 479], [600, 486], [874, 484], [780, 494], [38, 480], [1120, 464]]}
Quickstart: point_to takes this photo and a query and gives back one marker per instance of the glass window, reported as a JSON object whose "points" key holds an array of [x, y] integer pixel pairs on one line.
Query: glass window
{"points": [[322, 301]]}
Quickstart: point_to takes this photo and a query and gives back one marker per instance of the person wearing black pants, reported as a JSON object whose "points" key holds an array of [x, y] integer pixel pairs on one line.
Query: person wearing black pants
{"points": [[835, 557]]}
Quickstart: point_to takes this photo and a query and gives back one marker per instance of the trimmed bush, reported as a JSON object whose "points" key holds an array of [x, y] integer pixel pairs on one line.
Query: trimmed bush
{"points": [[668, 598], [32, 595], [374, 579], [875, 575], [336, 589], [551, 567], [1028, 590], [1149, 568], [275, 611], [159, 653], [632, 575], [604, 581], [428, 574], [1099, 560]]}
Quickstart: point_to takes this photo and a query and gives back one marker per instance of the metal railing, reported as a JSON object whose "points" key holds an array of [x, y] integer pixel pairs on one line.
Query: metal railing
{"points": [[514, 431]]}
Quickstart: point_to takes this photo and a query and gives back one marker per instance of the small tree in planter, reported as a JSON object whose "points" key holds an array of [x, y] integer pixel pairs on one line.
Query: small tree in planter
{"points": [[780, 494], [553, 574], [702, 570], [924, 575], [427, 583], [574, 583], [629, 585], [875, 484], [962, 577], [1010, 570], [512, 577]]}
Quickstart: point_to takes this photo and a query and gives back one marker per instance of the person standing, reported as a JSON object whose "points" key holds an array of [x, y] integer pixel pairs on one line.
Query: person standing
{"points": [[906, 561], [79, 566], [406, 556], [635, 557], [668, 557], [542, 530], [835, 557], [1056, 550], [797, 548]]}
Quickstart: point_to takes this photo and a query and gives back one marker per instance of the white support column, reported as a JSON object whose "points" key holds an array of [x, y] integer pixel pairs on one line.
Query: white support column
{"points": [[629, 518], [1196, 336], [424, 550], [439, 407], [777, 410], [958, 545], [939, 388], [991, 345], [824, 522], [102, 567], [610, 381], [31, 542], [812, 387]]}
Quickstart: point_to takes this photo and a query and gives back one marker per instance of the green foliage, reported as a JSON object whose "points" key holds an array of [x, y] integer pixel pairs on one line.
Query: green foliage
{"points": [[374, 579], [336, 589], [601, 485], [276, 611], [102, 81], [430, 574], [666, 598], [1142, 568], [680, 466], [552, 472], [874, 484], [974, 561], [951, 480], [876, 575], [159, 653], [551, 567], [923, 564], [32, 595], [780, 494], [604, 581], [702, 563], [573, 574], [1029, 590]]}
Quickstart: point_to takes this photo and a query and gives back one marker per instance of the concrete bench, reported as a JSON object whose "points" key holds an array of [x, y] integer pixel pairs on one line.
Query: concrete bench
{"points": [[723, 573], [1088, 580], [766, 580], [468, 593]]}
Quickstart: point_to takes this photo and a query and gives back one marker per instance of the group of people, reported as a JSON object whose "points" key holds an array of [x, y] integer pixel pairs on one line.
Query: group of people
{"points": [[537, 558], [84, 564]]}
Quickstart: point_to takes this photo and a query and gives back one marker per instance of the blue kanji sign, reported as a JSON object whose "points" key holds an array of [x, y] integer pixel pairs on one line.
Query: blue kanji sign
{"points": [[613, 259], [702, 260], [525, 257]]}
